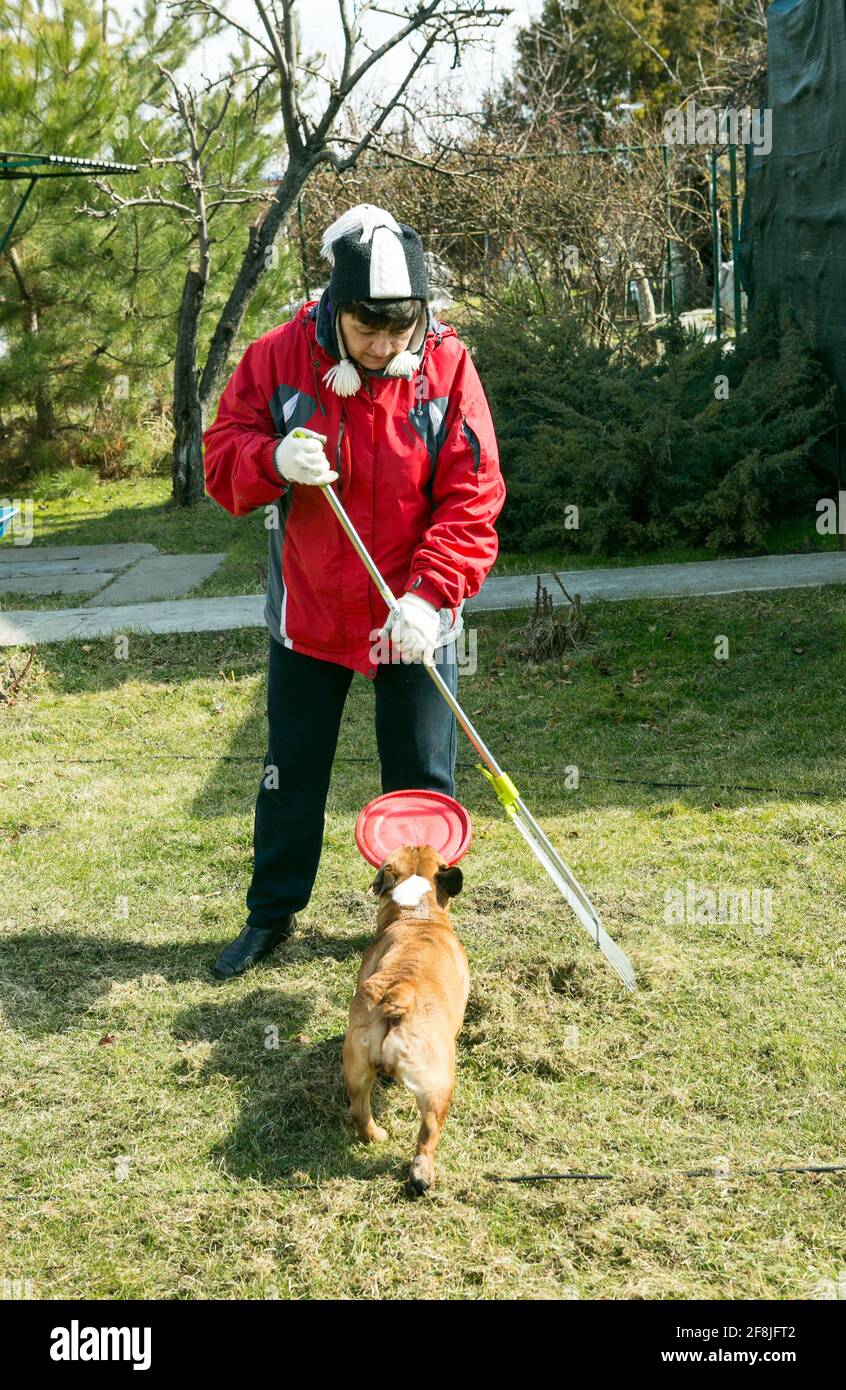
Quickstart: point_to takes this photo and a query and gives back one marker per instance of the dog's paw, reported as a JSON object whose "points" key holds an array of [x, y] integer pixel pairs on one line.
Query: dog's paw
{"points": [[375, 1134], [421, 1175]]}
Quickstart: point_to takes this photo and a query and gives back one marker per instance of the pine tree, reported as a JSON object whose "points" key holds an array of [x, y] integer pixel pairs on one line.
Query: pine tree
{"points": [[70, 287]]}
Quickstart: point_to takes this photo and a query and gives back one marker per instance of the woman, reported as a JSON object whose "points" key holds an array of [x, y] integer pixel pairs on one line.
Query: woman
{"points": [[387, 405]]}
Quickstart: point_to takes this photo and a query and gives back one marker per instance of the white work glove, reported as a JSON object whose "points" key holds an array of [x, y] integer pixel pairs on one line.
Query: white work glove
{"points": [[414, 630], [300, 458]]}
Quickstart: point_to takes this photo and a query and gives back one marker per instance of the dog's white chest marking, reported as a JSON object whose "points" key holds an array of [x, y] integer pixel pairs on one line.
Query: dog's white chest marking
{"points": [[410, 892]]}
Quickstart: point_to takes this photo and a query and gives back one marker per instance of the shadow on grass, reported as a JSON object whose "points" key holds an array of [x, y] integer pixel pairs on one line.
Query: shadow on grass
{"points": [[293, 1120], [103, 664], [204, 528], [293, 1116], [49, 979]]}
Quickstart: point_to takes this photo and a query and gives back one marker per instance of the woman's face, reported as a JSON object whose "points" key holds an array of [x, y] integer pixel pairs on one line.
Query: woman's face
{"points": [[373, 347]]}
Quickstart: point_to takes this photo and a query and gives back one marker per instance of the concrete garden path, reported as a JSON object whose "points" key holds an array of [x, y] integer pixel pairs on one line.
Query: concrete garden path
{"points": [[694, 578], [112, 574], [136, 577]]}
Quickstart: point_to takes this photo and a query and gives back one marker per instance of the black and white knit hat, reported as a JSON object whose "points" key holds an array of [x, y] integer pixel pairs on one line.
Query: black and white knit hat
{"points": [[374, 257]]}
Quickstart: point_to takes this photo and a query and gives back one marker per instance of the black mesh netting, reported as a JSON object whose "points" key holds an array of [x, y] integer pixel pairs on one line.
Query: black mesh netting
{"points": [[794, 215]]}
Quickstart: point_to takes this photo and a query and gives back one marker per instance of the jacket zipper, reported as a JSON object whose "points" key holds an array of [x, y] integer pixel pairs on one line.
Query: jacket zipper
{"points": [[371, 591], [339, 460]]}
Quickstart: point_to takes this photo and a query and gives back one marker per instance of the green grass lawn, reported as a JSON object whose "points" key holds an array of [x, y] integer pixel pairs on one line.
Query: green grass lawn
{"points": [[76, 509], [152, 1144]]}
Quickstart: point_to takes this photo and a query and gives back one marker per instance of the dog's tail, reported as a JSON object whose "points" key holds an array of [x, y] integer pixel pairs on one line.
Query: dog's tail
{"points": [[393, 1002]]}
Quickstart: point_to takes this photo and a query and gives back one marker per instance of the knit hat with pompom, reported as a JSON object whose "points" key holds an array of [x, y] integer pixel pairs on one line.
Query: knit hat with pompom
{"points": [[374, 257]]}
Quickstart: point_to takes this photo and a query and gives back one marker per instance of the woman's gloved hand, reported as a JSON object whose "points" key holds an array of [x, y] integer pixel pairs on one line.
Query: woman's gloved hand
{"points": [[300, 458], [414, 630]]}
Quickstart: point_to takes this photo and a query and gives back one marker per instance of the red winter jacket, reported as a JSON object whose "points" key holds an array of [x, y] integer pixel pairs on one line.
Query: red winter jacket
{"points": [[418, 475]]}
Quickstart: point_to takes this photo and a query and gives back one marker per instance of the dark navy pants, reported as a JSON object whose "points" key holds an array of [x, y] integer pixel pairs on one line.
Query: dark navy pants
{"points": [[415, 737]]}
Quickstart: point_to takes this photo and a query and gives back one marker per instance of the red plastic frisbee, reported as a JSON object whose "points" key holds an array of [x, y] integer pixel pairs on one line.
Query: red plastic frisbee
{"points": [[415, 817]]}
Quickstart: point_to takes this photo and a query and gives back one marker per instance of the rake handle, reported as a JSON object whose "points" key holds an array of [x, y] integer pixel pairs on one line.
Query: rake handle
{"points": [[390, 599], [537, 840]]}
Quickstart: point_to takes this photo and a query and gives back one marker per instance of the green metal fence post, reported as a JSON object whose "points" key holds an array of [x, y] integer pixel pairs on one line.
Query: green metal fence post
{"points": [[716, 245], [735, 239], [670, 276]]}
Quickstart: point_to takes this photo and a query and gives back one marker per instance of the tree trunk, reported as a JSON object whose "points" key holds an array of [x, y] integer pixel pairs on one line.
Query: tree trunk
{"points": [[645, 299], [253, 267], [195, 392], [188, 471], [45, 415]]}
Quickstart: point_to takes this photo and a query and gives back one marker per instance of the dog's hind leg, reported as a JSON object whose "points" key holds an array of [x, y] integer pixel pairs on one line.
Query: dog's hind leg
{"points": [[359, 1075], [434, 1107]]}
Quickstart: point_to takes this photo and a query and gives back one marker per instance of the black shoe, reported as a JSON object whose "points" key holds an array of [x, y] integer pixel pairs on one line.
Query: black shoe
{"points": [[250, 947]]}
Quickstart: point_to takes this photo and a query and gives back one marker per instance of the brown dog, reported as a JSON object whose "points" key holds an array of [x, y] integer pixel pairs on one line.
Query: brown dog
{"points": [[410, 999]]}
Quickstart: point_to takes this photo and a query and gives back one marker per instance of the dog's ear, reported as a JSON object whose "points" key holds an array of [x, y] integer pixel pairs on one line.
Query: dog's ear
{"points": [[450, 880], [383, 882]]}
